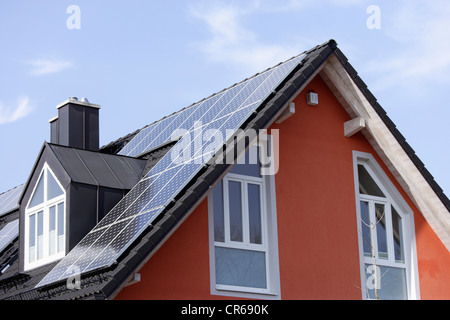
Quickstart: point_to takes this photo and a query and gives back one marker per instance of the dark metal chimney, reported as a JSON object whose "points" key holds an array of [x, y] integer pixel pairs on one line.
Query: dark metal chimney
{"points": [[77, 125]]}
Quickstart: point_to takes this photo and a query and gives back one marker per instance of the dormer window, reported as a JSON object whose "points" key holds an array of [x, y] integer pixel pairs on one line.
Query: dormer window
{"points": [[45, 221]]}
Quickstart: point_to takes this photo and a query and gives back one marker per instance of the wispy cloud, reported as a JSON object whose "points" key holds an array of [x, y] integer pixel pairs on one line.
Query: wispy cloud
{"points": [[421, 32], [10, 114], [233, 43], [48, 66]]}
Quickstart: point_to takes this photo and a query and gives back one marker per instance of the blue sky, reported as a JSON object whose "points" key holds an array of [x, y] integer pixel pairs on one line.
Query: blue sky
{"points": [[141, 60]]}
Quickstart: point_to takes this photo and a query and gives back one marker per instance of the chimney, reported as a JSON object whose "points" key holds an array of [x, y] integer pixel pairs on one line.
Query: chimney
{"points": [[77, 124]]}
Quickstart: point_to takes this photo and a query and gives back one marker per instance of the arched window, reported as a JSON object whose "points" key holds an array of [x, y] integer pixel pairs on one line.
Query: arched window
{"points": [[243, 235], [385, 231], [45, 221]]}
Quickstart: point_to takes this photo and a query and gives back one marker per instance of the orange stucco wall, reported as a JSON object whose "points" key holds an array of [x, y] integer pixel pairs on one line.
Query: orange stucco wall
{"points": [[317, 224]]}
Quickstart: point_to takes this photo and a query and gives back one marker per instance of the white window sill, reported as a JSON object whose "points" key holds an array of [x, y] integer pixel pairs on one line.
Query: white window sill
{"points": [[245, 292]]}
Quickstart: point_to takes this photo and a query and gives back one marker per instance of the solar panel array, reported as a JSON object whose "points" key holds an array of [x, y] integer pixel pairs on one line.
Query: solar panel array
{"points": [[222, 113], [161, 131], [8, 234], [9, 200]]}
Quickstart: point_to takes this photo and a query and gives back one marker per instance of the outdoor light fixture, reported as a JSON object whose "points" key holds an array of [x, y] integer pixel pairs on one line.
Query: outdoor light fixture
{"points": [[312, 98]]}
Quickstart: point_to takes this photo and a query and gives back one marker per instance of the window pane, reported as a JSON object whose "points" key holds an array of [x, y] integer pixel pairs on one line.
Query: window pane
{"points": [[38, 196], [381, 231], [397, 235], [32, 238], [248, 165], [254, 210], [235, 207], [52, 218], [366, 184], [365, 227], [40, 235], [390, 285], [61, 227], [243, 268], [52, 230], [219, 228], [54, 189]]}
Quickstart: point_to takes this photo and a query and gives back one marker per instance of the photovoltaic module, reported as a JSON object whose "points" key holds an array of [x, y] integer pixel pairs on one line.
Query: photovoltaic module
{"points": [[222, 113]]}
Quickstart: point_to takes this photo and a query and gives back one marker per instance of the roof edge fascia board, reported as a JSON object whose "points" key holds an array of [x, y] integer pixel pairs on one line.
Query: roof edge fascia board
{"points": [[388, 148], [286, 106]]}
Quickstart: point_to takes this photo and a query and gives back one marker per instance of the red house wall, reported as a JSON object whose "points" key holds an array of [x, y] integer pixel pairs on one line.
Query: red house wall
{"points": [[317, 224]]}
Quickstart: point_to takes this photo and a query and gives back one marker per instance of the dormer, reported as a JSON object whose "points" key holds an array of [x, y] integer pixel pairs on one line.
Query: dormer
{"points": [[71, 188]]}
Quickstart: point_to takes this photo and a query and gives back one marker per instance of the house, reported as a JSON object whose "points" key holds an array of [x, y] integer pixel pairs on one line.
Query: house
{"points": [[292, 184]]}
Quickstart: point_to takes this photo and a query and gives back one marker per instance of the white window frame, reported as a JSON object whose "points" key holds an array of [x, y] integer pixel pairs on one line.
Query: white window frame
{"points": [[394, 198], [269, 238], [245, 244], [45, 208]]}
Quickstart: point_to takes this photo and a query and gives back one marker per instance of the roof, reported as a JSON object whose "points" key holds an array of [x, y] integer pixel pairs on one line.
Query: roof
{"points": [[106, 283]]}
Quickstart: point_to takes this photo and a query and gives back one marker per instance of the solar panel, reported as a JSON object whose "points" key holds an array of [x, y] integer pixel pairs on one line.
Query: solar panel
{"points": [[9, 200], [8, 234], [223, 113], [157, 131]]}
